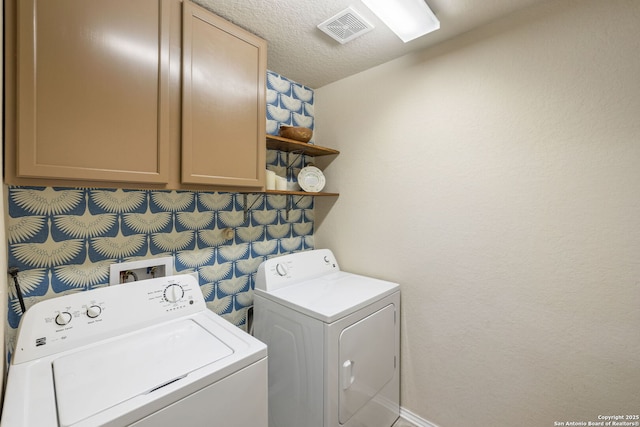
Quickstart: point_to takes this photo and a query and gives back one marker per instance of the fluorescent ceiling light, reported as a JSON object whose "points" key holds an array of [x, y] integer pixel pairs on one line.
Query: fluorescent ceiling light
{"points": [[409, 19]]}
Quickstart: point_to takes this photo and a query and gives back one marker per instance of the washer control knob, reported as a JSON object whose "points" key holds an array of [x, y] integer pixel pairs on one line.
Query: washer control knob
{"points": [[94, 311], [63, 318], [281, 269], [173, 293], [326, 259]]}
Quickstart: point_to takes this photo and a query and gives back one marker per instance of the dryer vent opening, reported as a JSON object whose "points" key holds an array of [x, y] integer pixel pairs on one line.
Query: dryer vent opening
{"points": [[346, 26]]}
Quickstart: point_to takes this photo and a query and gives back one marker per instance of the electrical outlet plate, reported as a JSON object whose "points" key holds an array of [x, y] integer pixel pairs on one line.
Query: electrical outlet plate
{"points": [[141, 269]]}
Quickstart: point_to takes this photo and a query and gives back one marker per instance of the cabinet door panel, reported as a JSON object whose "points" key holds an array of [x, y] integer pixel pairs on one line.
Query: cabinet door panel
{"points": [[223, 125], [93, 90]]}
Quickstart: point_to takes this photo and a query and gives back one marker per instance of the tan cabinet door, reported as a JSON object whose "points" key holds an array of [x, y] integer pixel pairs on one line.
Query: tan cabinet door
{"points": [[223, 106], [92, 90]]}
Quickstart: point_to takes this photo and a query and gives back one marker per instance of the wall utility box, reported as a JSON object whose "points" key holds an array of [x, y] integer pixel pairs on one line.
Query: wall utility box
{"points": [[132, 271]]}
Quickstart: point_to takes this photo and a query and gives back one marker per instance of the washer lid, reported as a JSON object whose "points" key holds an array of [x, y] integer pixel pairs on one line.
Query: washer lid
{"points": [[332, 296], [92, 380]]}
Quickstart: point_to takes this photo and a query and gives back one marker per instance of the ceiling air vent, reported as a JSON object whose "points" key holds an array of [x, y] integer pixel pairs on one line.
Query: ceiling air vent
{"points": [[346, 26]]}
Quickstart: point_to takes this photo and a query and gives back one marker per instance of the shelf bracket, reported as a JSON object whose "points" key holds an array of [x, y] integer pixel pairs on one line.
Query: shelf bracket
{"points": [[291, 162], [247, 207], [292, 205]]}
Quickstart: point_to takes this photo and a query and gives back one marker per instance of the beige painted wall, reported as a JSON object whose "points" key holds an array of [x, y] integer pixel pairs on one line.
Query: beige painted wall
{"points": [[497, 178]]}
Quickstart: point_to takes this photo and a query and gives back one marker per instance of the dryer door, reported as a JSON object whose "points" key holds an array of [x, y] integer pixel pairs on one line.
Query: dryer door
{"points": [[367, 360]]}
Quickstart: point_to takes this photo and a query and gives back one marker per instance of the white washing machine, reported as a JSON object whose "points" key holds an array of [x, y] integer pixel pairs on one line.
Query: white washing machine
{"points": [[333, 339], [146, 354]]}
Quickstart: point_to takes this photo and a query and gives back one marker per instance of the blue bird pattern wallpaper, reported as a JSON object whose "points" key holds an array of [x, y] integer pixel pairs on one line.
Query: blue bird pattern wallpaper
{"points": [[288, 103], [63, 240]]}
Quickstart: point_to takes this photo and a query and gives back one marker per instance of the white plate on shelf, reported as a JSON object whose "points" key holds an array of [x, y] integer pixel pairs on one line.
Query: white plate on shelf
{"points": [[311, 179]]}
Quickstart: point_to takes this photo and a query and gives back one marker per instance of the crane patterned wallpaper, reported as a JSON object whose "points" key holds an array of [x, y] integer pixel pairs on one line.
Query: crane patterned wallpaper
{"points": [[64, 239], [288, 103]]}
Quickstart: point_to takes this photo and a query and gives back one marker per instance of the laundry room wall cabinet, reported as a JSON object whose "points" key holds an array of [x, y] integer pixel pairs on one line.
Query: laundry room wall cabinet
{"points": [[132, 94]]}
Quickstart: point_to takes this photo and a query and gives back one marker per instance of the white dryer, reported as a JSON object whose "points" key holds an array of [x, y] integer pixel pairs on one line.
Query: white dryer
{"points": [[333, 340], [146, 354]]}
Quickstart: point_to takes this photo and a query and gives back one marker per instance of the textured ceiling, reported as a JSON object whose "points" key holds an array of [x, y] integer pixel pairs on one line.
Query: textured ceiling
{"points": [[300, 51]]}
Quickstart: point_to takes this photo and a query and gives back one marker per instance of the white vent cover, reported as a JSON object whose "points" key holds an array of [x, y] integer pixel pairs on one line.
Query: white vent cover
{"points": [[346, 26]]}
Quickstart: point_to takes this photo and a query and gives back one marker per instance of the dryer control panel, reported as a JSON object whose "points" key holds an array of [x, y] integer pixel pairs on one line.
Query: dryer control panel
{"points": [[278, 272], [53, 325]]}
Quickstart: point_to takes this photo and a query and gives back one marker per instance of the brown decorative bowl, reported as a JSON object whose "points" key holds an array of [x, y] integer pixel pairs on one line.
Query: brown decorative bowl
{"points": [[296, 133]]}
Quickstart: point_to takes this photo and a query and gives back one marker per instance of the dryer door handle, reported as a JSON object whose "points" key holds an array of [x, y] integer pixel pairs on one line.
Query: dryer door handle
{"points": [[347, 374]]}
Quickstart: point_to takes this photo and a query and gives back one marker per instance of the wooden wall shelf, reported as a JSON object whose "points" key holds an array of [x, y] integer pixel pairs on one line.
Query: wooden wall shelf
{"points": [[289, 145], [300, 193]]}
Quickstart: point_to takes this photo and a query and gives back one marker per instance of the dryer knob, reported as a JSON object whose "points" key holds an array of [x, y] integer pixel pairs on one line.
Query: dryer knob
{"points": [[281, 269], [173, 293], [94, 311], [63, 318]]}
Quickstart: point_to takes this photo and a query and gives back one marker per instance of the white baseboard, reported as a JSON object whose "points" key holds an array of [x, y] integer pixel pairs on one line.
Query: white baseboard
{"points": [[414, 419]]}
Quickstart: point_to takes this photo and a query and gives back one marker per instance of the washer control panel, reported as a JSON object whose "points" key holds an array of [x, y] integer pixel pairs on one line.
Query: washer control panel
{"points": [[81, 318], [286, 270]]}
